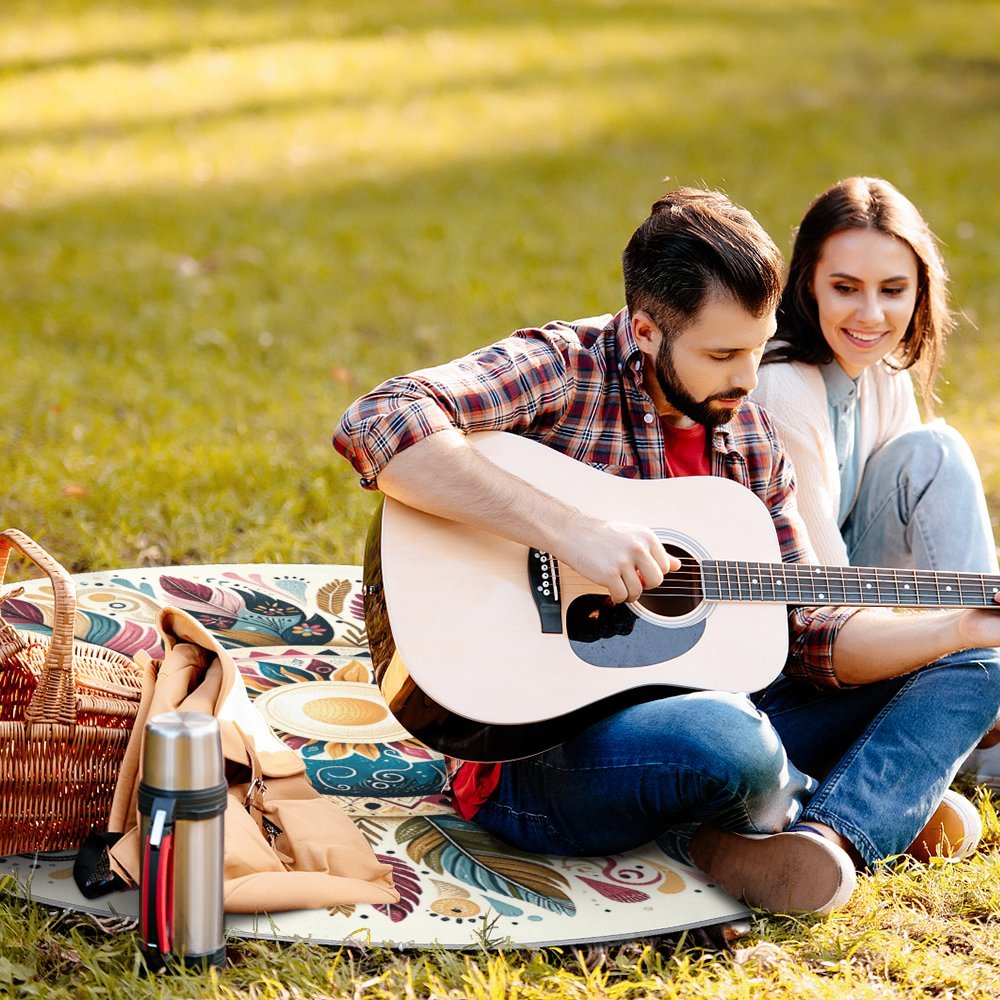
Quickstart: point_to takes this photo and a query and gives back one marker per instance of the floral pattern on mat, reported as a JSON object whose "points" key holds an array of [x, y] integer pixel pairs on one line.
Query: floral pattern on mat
{"points": [[297, 636], [362, 753]]}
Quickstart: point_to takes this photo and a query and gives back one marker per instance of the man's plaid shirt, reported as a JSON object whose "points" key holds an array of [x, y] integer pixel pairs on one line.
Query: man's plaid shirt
{"points": [[577, 387]]}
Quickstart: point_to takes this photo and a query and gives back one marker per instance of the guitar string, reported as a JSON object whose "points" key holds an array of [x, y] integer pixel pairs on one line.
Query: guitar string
{"points": [[688, 581], [809, 571], [833, 599], [801, 582]]}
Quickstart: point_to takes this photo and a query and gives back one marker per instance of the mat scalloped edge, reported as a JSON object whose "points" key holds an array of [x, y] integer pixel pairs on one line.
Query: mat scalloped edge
{"points": [[464, 890]]}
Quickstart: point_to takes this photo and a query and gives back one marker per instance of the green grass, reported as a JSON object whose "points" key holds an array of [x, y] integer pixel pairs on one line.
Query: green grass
{"points": [[909, 932], [221, 221]]}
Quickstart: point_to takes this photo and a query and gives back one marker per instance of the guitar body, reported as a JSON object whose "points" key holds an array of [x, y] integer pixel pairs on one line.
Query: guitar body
{"points": [[473, 660]]}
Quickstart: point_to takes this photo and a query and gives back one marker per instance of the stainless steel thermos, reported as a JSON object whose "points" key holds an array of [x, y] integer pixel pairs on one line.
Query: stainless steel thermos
{"points": [[182, 800]]}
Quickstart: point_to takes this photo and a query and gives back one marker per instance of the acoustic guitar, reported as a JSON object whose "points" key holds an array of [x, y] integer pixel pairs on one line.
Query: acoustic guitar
{"points": [[488, 650]]}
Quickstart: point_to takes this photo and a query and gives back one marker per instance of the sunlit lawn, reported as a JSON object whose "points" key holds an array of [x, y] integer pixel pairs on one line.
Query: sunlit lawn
{"points": [[222, 221]]}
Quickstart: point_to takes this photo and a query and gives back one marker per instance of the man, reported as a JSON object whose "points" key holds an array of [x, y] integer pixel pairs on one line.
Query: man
{"points": [[660, 390]]}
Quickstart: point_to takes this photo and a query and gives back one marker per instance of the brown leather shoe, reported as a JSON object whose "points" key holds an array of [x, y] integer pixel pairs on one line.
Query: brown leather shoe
{"points": [[789, 872], [953, 832]]}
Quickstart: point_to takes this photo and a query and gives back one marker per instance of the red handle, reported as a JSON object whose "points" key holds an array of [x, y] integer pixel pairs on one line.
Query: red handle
{"points": [[165, 894], [156, 896]]}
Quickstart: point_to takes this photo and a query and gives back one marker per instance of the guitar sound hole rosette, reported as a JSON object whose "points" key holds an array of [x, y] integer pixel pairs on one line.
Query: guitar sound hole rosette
{"points": [[683, 609]]}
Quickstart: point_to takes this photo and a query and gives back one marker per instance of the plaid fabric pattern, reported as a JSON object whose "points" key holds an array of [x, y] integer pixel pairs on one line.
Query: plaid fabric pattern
{"points": [[577, 387]]}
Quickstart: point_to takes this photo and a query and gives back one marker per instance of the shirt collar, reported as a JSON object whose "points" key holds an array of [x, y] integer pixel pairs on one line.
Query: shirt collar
{"points": [[840, 387], [722, 440], [629, 355]]}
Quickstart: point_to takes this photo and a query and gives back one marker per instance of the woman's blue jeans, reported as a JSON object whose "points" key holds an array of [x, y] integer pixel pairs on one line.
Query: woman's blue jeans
{"points": [[920, 505]]}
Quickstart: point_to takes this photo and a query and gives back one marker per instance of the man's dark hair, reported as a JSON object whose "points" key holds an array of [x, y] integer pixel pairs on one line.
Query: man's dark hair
{"points": [[694, 244]]}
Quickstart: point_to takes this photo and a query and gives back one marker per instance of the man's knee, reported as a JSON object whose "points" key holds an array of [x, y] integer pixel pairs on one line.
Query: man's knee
{"points": [[766, 790], [740, 738]]}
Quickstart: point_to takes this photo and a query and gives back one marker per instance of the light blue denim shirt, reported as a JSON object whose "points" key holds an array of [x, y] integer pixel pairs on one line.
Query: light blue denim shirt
{"points": [[842, 401]]}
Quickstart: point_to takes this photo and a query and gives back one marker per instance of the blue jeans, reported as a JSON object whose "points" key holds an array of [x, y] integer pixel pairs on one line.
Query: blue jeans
{"points": [[885, 753], [649, 772], [921, 506]]}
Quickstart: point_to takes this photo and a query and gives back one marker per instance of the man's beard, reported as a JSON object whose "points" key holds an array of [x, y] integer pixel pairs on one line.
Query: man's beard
{"points": [[680, 399]]}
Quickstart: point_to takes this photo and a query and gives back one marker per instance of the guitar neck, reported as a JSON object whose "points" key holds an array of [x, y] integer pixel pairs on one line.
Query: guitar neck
{"points": [[801, 583]]}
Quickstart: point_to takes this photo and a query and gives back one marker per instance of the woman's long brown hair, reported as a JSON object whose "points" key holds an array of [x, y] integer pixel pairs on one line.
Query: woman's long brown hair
{"points": [[866, 203]]}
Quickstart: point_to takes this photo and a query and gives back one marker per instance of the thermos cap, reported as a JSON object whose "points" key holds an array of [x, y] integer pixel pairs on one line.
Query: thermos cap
{"points": [[182, 752]]}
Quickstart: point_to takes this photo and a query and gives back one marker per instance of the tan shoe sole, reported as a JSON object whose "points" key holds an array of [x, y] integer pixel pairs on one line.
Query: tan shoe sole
{"points": [[953, 832]]}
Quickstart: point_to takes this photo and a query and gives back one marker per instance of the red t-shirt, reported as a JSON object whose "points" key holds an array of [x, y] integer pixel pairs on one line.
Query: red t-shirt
{"points": [[686, 455], [686, 450]]}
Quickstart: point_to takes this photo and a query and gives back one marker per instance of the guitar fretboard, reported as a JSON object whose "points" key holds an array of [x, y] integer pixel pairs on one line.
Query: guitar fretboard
{"points": [[800, 583]]}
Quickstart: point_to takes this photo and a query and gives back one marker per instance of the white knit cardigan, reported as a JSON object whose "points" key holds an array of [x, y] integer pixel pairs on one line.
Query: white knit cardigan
{"points": [[794, 395]]}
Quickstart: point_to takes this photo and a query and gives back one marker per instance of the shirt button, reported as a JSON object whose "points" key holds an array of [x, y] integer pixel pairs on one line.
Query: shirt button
{"points": [[648, 418]]}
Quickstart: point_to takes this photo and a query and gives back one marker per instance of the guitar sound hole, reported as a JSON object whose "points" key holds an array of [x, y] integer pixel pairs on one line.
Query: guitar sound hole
{"points": [[680, 593]]}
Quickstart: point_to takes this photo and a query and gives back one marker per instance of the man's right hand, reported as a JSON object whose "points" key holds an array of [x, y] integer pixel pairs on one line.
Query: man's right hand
{"points": [[624, 558]]}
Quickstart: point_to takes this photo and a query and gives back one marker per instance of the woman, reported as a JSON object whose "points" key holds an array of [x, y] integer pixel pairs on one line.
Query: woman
{"points": [[865, 304]]}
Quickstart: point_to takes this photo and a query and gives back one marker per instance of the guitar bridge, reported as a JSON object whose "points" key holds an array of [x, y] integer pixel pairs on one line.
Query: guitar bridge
{"points": [[543, 578]]}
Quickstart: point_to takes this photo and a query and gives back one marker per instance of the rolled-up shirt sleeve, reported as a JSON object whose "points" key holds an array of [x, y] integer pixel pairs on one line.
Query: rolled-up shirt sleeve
{"points": [[518, 383], [812, 632]]}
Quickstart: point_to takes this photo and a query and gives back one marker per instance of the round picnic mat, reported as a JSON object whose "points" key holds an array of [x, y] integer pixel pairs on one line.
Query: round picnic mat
{"points": [[297, 635]]}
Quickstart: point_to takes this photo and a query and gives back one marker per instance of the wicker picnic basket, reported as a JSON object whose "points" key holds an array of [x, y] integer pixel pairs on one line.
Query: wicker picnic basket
{"points": [[66, 710]]}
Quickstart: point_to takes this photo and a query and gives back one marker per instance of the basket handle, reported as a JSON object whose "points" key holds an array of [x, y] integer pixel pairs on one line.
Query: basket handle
{"points": [[54, 700]]}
